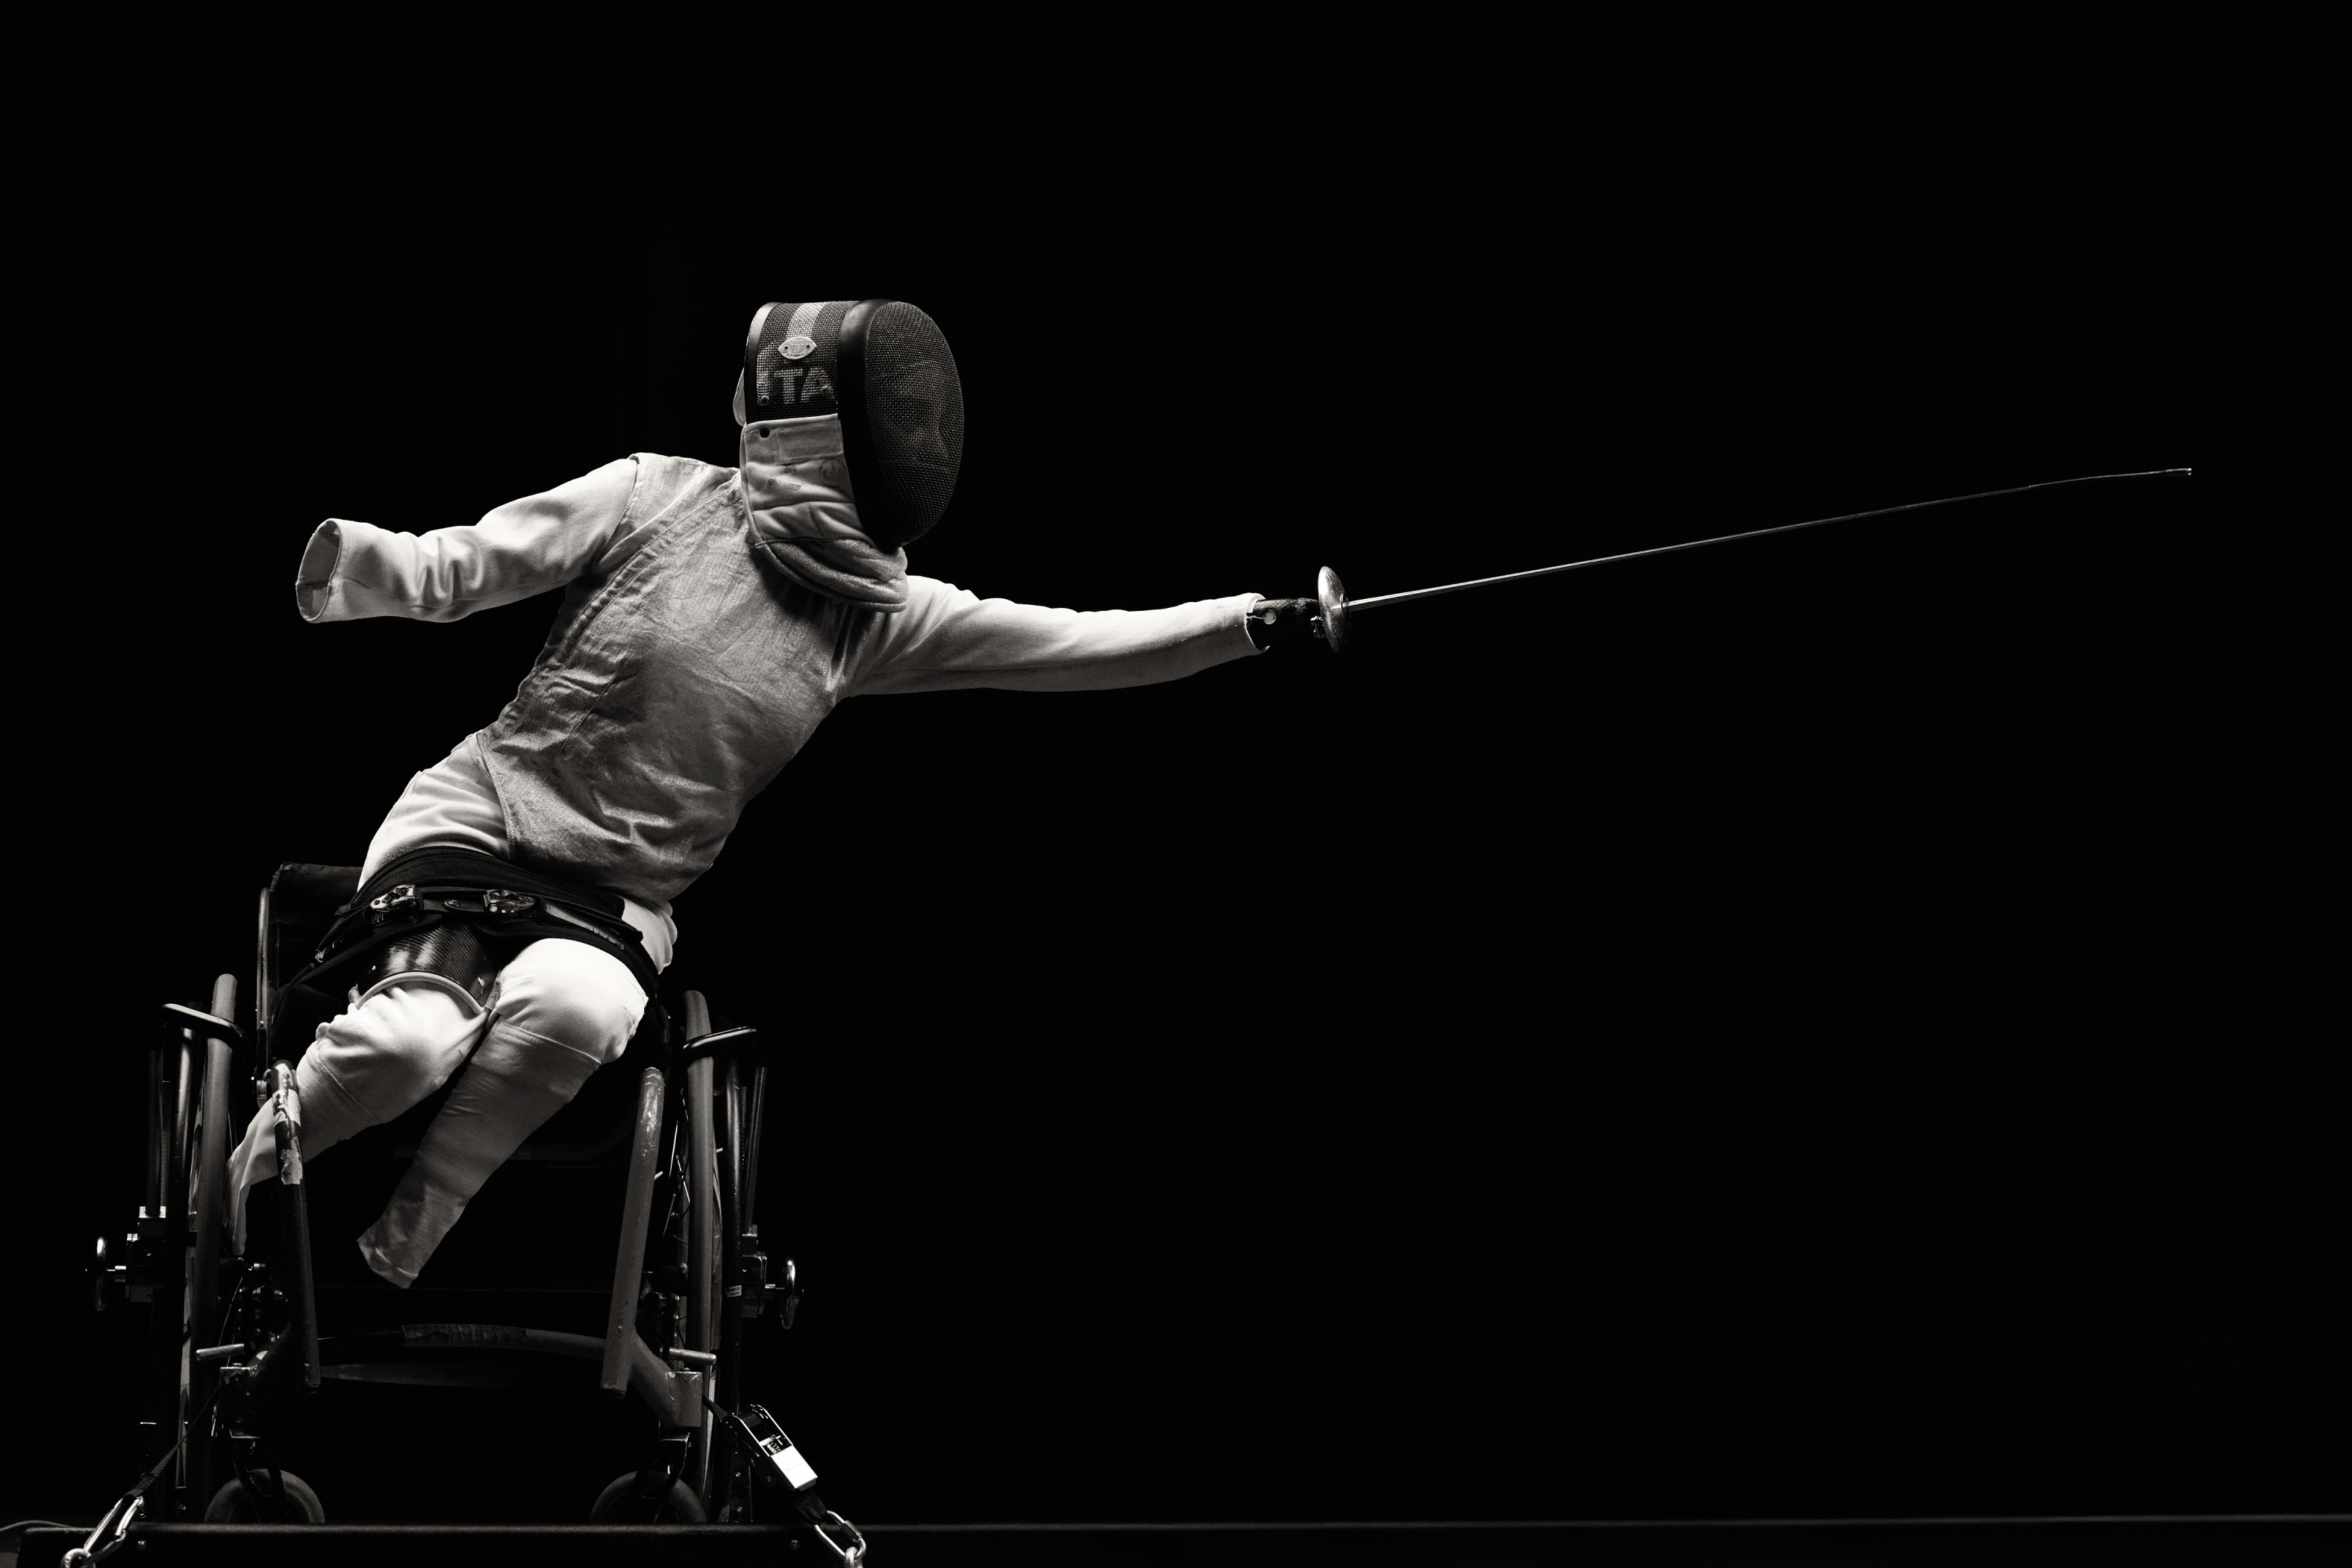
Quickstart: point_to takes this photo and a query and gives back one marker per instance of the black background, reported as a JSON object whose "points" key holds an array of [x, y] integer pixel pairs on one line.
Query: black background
{"points": [[1830, 1025]]}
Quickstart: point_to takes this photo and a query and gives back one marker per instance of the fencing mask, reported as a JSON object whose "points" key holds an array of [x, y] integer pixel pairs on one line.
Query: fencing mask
{"points": [[884, 368]]}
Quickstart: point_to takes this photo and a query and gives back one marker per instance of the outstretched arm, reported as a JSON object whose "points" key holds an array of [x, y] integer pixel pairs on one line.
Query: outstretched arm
{"points": [[948, 637], [351, 569]]}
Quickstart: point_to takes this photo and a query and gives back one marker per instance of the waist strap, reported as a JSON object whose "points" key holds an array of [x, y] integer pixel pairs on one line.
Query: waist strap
{"points": [[425, 888]]}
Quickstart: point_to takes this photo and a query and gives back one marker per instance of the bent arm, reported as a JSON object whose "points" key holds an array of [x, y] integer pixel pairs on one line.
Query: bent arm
{"points": [[353, 570], [948, 637]]}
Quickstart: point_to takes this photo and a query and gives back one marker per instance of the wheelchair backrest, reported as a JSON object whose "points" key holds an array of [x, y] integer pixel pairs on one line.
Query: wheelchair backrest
{"points": [[297, 908]]}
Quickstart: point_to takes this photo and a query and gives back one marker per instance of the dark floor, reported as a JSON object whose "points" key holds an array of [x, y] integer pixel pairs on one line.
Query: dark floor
{"points": [[1945, 1543]]}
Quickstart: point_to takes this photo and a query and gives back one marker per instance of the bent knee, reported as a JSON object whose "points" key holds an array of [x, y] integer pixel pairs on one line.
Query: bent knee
{"points": [[398, 1046], [575, 994]]}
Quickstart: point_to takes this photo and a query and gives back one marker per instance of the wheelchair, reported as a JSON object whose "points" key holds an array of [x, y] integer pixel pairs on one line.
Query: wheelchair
{"points": [[669, 1135]]}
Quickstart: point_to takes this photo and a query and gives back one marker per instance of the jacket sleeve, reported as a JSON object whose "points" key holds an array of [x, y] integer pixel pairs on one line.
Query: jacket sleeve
{"points": [[948, 637], [351, 569]]}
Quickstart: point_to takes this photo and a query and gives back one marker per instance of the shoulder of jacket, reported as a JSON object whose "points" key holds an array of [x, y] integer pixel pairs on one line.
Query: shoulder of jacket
{"points": [[675, 477], [663, 462]]}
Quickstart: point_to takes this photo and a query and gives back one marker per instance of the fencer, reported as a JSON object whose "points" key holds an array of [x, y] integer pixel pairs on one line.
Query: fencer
{"points": [[710, 618]]}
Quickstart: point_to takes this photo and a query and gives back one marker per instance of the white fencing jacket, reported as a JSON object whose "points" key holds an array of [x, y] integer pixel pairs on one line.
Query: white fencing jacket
{"points": [[686, 667]]}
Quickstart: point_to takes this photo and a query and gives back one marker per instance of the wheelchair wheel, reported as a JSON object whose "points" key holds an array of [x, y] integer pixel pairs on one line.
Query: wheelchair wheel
{"points": [[619, 1504], [233, 1505]]}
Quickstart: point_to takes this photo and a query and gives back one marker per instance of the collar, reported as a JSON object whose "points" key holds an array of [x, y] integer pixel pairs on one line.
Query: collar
{"points": [[804, 514]]}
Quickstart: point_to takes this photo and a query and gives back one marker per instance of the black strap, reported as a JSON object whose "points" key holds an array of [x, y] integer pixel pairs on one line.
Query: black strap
{"points": [[420, 889]]}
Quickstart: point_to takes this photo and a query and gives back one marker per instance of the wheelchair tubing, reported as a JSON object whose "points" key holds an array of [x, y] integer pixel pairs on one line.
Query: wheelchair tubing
{"points": [[261, 975], [157, 1146], [702, 1222], [727, 1387], [754, 1116], [186, 1084], [702, 1207], [735, 1160], [636, 1224], [207, 1215], [170, 1066], [294, 1217]]}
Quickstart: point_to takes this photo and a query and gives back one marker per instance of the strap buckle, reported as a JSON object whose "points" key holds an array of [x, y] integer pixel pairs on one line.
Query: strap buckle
{"points": [[395, 901]]}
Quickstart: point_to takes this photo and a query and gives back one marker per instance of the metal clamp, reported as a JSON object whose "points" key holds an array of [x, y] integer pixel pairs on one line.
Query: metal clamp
{"points": [[112, 1532], [851, 1555], [399, 899], [785, 1469]]}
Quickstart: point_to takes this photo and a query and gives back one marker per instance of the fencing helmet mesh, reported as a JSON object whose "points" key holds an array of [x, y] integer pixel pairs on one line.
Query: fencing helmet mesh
{"points": [[884, 367]]}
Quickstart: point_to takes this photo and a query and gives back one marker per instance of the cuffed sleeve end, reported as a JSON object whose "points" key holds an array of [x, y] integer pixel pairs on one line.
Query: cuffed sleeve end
{"points": [[352, 570], [314, 579], [1242, 622]]}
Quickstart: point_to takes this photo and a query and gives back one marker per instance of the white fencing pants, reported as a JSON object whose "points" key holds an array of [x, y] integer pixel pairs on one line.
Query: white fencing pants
{"points": [[560, 1010]]}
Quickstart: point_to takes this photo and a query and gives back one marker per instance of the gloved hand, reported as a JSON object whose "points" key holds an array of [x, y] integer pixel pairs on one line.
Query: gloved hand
{"points": [[1280, 623]]}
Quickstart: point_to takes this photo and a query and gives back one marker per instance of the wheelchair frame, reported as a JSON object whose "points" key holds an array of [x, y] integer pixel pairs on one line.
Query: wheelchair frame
{"points": [[673, 1331]]}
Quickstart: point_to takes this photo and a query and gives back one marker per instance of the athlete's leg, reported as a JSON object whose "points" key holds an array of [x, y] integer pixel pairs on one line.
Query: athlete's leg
{"points": [[561, 1010], [368, 1064]]}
